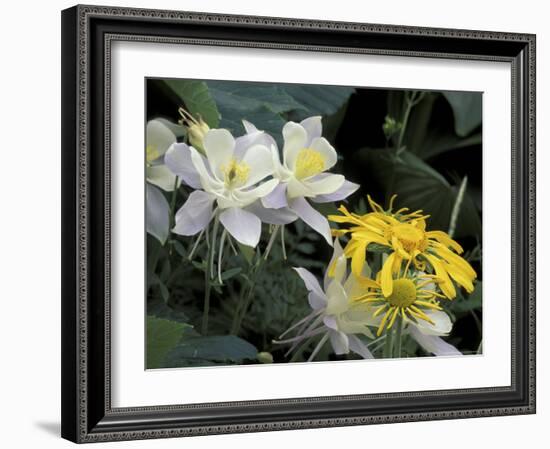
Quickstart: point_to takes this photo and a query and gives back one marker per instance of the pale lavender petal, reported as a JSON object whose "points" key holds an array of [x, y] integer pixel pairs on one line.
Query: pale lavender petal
{"points": [[243, 225], [178, 160], [195, 214], [319, 298], [330, 322], [431, 343], [342, 193], [281, 216], [340, 268], [313, 127], [311, 217], [277, 198], [339, 342], [357, 346], [157, 214]]}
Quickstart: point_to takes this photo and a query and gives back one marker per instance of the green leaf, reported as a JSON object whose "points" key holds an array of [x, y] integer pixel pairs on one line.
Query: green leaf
{"points": [[472, 302], [232, 272], [226, 348], [196, 97], [247, 251], [317, 99], [419, 186], [162, 336], [466, 109], [159, 309]]}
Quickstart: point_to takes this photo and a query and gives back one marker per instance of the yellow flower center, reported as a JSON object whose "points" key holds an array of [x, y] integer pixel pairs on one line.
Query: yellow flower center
{"points": [[403, 293], [309, 163], [235, 173], [152, 153], [409, 236]]}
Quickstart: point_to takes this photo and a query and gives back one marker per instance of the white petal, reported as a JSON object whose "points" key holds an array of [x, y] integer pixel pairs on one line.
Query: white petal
{"points": [[431, 343], [296, 188], [244, 226], [219, 146], [357, 346], [178, 160], [340, 268], [343, 192], [311, 217], [339, 342], [195, 214], [295, 137], [442, 326], [337, 300], [330, 322], [327, 151], [280, 216], [208, 183], [325, 185], [246, 197], [311, 282], [313, 127], [161, 176], [158, 213], [277, 198], [259, 160], [250, 128], [159, 136]]}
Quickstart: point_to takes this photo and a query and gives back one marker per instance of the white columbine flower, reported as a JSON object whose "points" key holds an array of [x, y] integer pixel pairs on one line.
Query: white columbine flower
{"points": [[159, 137], [303, 175], [335, 316], [227, 180]]}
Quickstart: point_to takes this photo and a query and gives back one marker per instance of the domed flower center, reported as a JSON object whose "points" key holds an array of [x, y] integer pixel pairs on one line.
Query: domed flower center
{"points": [[309, 163], [235, 173], [403, 293], [409, 236]]}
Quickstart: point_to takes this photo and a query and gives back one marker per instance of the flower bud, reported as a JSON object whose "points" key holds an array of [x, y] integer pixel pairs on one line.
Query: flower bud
{"points": [[196, 129], [264, 357]]}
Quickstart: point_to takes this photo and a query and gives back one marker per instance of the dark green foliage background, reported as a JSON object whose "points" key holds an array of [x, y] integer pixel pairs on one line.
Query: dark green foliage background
{"points": [[441, 148]]}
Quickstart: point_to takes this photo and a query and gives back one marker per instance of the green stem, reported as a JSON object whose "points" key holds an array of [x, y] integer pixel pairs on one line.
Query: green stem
{"points": [[207, 279], [388, 346], [398, 336]]}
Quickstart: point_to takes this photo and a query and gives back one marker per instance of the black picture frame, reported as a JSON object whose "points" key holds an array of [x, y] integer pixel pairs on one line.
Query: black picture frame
{"points": [[87, 33]]}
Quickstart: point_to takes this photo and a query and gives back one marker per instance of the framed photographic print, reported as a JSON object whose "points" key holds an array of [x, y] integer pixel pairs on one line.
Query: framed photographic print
{"points": [[281, 224]]}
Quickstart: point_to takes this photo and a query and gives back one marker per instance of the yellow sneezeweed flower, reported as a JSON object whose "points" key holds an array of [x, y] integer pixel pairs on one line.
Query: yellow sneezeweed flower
{"points": [[196, 129], [404, 234], [413, 298]]}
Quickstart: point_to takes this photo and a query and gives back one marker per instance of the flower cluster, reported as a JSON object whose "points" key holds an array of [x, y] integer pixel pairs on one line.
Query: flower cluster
{"points": [[242, 183], [417, 271]]}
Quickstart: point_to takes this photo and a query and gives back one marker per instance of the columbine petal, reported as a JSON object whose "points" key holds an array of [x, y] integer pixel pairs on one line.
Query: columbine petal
{"points": [[442, 323], [337, 300], [158, 214], [337, 268], [313, 127], [339, 342], [178, 160], [433, 344], [162, 177], [208, 183], [277, 198], [311, 283], [342, 193], [326, 150], [244, 226], [280, 216], [158, 138], [295, 137], [195, 214], [219, 145], [325, 185], [247, 197], [259, 161], [311, 217], [357, 346], [296, 189]]}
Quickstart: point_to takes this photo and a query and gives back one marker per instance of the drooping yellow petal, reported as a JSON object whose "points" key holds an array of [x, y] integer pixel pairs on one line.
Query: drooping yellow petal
{"points": [[445, 239], [445, 283], [455, 259], [386, 281], [358, 258]]}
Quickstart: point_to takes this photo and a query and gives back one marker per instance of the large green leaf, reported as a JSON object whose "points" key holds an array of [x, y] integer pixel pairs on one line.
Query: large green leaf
{"points": [[419, 186], [466, 109], [162, 336], [196, 97], [214, 349], [317, 99]]}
